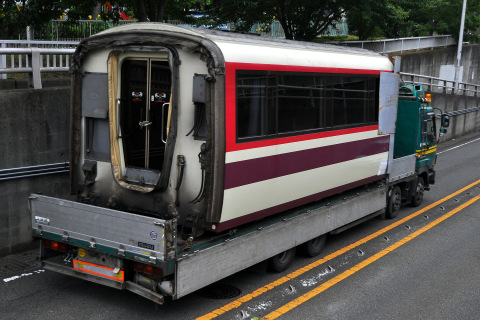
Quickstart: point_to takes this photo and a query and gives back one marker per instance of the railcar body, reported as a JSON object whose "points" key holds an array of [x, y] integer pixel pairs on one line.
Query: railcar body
{"points": [[218, 129]]}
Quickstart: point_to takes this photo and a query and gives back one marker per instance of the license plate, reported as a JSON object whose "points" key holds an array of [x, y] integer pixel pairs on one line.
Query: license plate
{"points": [[100, 271]]}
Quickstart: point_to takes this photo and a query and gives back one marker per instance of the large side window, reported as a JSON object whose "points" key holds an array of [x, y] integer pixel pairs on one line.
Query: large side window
{"points": [[280, 104]]}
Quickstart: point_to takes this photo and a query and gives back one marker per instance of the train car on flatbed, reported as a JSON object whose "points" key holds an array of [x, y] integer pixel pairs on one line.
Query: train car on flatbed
{"points": [[191, 146]]}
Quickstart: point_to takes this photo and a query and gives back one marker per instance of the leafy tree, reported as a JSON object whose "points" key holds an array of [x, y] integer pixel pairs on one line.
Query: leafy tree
{"points": [[300, 19], [404, 18]]}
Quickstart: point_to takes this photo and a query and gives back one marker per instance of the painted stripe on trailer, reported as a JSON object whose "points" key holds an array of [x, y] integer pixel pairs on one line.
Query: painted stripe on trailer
{"points": [[255, 197], [292, 204], [259, 169], [310, 141]]}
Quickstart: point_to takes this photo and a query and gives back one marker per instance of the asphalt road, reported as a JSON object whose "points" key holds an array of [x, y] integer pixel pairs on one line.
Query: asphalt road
{"points": [[421, 265]]}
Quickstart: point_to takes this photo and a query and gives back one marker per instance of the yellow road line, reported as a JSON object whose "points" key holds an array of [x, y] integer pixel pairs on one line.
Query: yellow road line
{"points": [[307, 296], [237, 303]]}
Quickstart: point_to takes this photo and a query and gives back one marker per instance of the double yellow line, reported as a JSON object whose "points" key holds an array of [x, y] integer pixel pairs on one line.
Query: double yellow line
{"points": [[289, 306]]}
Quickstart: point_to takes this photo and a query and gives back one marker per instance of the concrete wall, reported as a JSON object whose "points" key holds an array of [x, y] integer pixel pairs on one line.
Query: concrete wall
{"points": [[428, 62], [460, 124], [33, 130]]}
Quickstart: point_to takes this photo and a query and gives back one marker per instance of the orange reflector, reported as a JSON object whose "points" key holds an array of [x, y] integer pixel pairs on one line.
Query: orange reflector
{"points": [[98, 270]]}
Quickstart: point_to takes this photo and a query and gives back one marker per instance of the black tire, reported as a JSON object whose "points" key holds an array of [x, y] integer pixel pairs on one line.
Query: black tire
{"points": [[281, 261], [417, 197], [394, 203], [313, 247]]}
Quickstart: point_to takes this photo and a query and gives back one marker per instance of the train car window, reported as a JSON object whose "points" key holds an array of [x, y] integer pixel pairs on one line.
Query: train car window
{"points": [[298, 107], [252, 105], [273, 103]]}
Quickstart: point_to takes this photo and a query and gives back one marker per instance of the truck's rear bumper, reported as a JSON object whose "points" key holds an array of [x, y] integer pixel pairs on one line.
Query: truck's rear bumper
{"points": [[51, 264]]}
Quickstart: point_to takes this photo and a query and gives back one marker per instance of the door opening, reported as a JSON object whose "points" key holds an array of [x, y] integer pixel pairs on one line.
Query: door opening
{"points": [[143, 115]]}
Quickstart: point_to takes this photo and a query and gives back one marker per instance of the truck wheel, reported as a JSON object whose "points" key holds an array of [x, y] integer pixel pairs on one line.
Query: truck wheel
{"points": [[313, 247], [281, 261], [417, 197], [394, 202]]}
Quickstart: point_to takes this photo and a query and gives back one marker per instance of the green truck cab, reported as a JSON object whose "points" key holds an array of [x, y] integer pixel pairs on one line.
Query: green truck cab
{"points": [[415, 134]]}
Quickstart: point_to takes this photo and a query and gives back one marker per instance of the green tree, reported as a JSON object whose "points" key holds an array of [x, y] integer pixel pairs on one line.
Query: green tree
{"points": [[300, 19], [404, 18]]}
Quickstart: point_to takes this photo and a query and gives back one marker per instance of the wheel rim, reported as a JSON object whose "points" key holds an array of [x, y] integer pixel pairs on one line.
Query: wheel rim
{"points": [[285, 256], [317, 243], [396, 201], [419, 192]]}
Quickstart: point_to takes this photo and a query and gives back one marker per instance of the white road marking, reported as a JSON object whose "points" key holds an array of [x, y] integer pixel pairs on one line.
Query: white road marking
{"points": [[461, 145], [23, 275]]}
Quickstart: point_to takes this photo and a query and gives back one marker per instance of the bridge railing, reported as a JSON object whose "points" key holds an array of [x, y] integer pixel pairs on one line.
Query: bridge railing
{"points": [[34, 61], [435, 84], [402, 44]]}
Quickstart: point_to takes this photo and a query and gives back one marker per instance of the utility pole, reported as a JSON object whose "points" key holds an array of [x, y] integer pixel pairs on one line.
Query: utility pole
{"points": [[459, 50]]}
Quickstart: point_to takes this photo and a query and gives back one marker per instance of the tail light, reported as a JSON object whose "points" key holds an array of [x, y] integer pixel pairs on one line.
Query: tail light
{"points": [[54, 245], [148, 269], [138, 267]]}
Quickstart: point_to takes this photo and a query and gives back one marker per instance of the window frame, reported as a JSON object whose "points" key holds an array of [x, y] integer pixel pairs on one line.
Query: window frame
{"points": [[370, 109]]}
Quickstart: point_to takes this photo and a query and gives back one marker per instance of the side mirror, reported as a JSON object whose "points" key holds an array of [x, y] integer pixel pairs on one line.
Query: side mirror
{"points": [[445, 120]]}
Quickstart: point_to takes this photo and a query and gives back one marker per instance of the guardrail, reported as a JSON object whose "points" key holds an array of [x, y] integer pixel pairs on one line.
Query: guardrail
{"points": [[34, 171], [38, 44], [34, 61], [435, 84], [402, 44]]}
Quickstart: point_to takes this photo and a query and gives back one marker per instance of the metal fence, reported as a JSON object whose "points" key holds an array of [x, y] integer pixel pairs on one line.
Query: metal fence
{"points": [[434, 84], [61, 30], [34, 61], [402, 44]]}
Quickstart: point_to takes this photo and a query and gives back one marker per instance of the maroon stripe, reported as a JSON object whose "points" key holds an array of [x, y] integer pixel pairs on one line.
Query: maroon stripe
{"points": [[290, 205], [254, 170]]}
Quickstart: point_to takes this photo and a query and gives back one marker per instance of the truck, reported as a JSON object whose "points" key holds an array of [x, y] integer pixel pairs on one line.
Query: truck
{"points": [[195, 154]]}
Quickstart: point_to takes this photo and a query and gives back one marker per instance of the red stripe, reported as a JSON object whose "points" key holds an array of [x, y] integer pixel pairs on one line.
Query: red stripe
{"points": [[219, 227], [290, 68], [260, 169], [311, 136], [230, 103]]}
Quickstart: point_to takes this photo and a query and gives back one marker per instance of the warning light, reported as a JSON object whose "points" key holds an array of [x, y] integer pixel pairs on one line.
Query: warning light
{"points": [[428, 97]]}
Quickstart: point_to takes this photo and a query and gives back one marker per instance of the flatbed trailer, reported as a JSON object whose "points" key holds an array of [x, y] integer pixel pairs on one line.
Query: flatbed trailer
{"points": [[203, 262]]}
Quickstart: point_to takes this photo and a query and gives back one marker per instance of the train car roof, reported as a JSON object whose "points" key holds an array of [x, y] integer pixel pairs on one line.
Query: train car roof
{"points": [[247, 48]]}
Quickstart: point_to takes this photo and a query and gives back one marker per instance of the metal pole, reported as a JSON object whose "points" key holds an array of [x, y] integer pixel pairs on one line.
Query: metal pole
{"points": [[460, 43], [3, 61]]}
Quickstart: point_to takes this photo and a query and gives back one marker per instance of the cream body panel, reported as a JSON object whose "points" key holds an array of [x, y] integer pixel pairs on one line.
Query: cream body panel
{"points": [[265, 194]]}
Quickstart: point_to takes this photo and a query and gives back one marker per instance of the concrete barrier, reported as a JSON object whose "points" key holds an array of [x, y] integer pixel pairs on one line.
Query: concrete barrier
{"points": [[33, 130], [463, 119]]}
